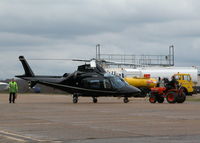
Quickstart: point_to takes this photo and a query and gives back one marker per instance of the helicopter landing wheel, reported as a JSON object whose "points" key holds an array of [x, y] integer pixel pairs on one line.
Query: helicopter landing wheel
{"points": [[75, 99], [126, 100], [95, 100]]}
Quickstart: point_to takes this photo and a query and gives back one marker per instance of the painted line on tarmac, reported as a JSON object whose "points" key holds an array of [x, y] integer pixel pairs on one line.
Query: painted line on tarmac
{"points": [[100, 121], [18, 137], [13, 138], [28, 124]]}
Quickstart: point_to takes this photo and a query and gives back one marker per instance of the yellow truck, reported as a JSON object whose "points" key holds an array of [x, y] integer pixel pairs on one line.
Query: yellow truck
{"points": [[186, 82]]}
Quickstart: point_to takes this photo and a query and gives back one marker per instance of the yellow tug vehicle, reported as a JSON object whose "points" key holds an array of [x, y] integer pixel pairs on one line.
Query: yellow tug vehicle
{"points": [[143, 83]]}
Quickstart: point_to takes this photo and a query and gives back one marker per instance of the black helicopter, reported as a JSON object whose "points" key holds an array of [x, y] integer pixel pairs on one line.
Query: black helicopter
{"points": [[87, 81]]}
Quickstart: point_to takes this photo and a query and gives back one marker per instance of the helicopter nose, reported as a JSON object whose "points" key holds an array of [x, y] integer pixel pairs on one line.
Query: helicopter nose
{"points": [[135, 90], [131, 90]]}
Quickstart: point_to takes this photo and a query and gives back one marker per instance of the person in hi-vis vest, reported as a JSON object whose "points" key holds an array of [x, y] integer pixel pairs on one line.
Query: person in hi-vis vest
{"points": [[13, 89]]}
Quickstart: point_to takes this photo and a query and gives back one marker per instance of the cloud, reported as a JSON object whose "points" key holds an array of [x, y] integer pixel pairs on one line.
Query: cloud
{"points": [[67, 19], [72, 28]]}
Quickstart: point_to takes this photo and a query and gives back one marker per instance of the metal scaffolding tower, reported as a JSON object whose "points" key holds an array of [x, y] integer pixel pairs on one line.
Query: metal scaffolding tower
{"points": [[136, 60]]}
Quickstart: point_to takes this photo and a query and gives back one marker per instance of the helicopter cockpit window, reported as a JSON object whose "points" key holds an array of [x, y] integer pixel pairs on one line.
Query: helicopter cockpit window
{"points": [[117, 82], [106, 84], [95, 84], [92, 83]]}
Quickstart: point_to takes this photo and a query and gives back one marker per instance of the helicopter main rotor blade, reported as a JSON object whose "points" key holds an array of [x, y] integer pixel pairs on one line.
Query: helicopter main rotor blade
{"points": [[43, 59]]}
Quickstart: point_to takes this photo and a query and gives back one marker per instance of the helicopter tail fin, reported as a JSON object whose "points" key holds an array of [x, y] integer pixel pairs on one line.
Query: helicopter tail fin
{"points": [[28, 71]]}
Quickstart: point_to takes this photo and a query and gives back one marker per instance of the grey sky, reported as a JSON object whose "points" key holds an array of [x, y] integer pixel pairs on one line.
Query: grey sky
{"points": [[72, 28]]}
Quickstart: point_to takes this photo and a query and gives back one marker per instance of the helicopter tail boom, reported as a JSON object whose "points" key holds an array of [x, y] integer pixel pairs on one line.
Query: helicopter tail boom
{"points": [[28, 71]]}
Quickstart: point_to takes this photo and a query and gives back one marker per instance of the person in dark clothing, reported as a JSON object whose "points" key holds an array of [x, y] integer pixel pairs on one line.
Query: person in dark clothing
{"points": [[173, 83], [159, 82]]}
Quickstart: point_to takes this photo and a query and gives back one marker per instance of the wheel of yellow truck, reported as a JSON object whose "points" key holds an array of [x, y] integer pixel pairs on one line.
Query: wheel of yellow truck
{"points": [[171, 97]]}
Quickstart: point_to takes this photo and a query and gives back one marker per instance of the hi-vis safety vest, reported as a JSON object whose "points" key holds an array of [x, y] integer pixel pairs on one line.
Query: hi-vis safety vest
{"points": [[13, 88]]}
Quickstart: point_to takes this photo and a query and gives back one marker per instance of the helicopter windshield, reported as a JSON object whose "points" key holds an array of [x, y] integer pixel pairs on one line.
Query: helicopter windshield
{"points": [[117, 82]]}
